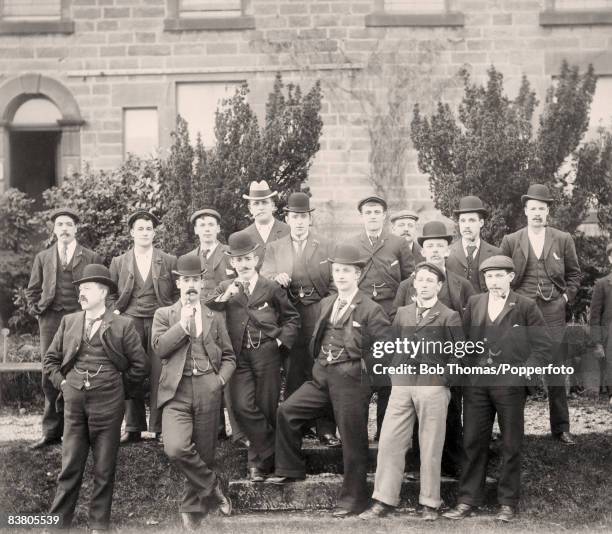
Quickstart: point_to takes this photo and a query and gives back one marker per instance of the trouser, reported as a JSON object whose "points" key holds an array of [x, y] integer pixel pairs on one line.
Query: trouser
{"points": [[481, 403], [428, 405], [92, 419], [554, 315], [237, 433], [52, 420], [255, 391], [383, 390], [300, 363], [190, 422], [135, 411], [339, 385]]}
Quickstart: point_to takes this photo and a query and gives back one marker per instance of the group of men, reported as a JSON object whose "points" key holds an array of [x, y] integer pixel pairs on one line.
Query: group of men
{"points": [[219, 324]]}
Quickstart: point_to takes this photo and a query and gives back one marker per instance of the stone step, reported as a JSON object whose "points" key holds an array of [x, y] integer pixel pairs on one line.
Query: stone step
{"points": [[318, 492]]}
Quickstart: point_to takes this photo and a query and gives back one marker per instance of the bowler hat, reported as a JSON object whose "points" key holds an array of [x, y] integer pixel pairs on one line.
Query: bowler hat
{"points": [[497, 262], [298, 203], [240, 244], [431, 267], [404, 214], [94, 272], [203, 213], [537, 192], [348, 255], [189, 265], [471, 204], [374, 199], [65, 211], [259, 191], [434, 230], [143, 214]]}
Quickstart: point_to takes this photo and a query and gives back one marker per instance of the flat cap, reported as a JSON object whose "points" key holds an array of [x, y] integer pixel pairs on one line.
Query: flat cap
{"points": [[374, 199], [69, 212], [497, 262], [143, 214], [404, 214], [205, 212], [432, 268]]}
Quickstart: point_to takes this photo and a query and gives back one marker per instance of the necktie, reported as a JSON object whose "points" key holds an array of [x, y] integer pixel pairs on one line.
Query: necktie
{"points": [[192, 325], [205, 253], [246, 285], [420, 311], [373, 239], [470, 258], [341, 305], [89, 325], [64, 255], [300, 246]]}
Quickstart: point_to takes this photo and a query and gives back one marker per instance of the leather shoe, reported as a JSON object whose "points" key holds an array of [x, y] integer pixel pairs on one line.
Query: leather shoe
{"points": [[44, 442], [256, 475], [461, 511], [331, 441], [341, 513], [309, 433], [429, 514], [506, 513], [225, 503], [190, 520], [378, 509], [280, 480], [565, 438], [130, 437]]}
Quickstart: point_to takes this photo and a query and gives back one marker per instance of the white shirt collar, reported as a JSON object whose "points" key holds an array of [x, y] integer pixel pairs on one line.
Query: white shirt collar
{"points": [[465, 245], [252, 281], [147, 254], [210, 249], [349, 298], [69, 251]]}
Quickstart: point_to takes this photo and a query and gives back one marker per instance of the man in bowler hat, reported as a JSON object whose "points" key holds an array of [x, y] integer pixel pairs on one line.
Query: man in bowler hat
{"points": [[197, 361], [97, 360], [51, 294]]}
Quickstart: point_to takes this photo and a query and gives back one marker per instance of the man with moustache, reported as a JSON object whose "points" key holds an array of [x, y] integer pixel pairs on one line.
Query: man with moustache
{"points": [[197, 361], [467, 253], [143, 276], [51, 295], [97, 360], [513, 331], [547, 270], [404, 224], [454, 293], [265, 227], [260, 320], [389, 261], [421, 397], [299, 263], [341, 344]]}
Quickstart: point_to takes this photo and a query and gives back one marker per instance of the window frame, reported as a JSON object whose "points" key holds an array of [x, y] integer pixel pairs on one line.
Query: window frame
{"points": [[551, 16], [63, 25], [174, 21], [382, 18], [125, 109]]}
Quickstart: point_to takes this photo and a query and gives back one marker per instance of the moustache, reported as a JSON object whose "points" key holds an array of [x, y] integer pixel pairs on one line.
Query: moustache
{"points": [[191, 291], [82, 299]]}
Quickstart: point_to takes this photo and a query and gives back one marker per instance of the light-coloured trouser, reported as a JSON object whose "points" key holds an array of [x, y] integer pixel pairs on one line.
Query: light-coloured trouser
{"points": [[429, 404]]}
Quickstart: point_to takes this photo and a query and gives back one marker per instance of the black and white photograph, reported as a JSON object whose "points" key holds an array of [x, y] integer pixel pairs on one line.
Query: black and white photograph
{"points": [[305, 266]]}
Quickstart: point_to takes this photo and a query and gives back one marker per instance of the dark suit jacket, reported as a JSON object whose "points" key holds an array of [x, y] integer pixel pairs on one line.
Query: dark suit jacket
{"points": [[279, 229], [120, 341], [41, 289], [221, 267], [457, 262], [560, 260], [520, 333], [459, 290], [171, 343], [162, 264], [440, 324], [267, 307], [417, 253], [601, 313], [364, 323], [279, 259], [390, 261]]}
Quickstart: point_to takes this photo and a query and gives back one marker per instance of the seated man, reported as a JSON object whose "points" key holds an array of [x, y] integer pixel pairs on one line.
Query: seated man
{"points": [[348, 324], [420, 396]]}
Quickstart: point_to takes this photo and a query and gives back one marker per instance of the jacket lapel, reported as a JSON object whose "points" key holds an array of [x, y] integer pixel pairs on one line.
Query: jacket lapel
{"points": [[78, 254], [510, 303], [217, 256], [431, 316], [107, 319], [459, 253], [311, 245], [156, 262], [524, 238], [548, 243], [257, 291]]}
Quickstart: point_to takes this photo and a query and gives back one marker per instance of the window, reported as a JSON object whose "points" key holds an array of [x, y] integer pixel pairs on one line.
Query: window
{"points": [[576, 12], [197, 104], [208, 15], [414, 13], [140, 131], [35, 16], [601, 107]]}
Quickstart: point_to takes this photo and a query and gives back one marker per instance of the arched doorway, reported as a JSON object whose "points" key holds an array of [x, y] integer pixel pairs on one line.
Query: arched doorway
{"points": [[41, 125]]}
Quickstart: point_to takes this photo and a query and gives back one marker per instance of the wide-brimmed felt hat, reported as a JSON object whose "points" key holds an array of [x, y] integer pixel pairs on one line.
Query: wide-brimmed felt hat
{"points": [[404, 214], [203, 213], [298, 203], [497, 262], [431, 267], [69, 212], [537, 192], [259, 191], [240, 244], [471, 204], [95, 272], [189, 265], [348, 255], [434, 230], [143, 214], [374, 199]]}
